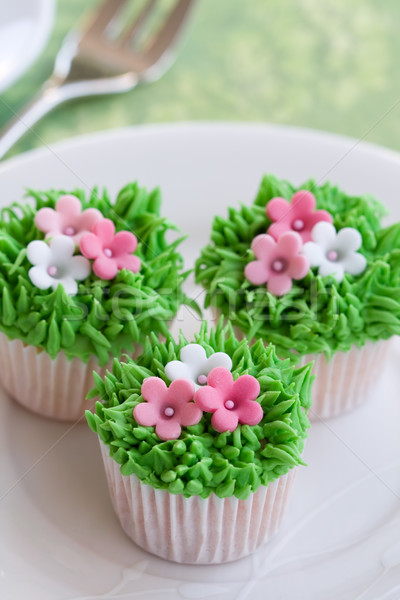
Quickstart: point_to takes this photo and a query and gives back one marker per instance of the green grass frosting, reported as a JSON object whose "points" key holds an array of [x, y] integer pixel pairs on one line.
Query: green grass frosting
{"points": [[105, 317], [203, 461], [318, 314]]}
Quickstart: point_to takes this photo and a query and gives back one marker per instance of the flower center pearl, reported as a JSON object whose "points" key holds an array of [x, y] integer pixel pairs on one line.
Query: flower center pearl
{"points": [[332, 255], [169, 411], [69, 231], [52, 271], [229, 404], [107, 252], [298, 225], [278, 266], [202, 379]]}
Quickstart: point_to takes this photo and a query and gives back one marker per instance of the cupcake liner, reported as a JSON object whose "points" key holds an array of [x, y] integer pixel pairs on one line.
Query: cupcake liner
{"points": [[195, 530], [52, 388], [347, 379]]}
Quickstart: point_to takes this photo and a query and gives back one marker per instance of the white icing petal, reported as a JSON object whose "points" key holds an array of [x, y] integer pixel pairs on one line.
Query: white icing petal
{"points": [[348, 240], [79, 268], [69, 284], [193, 354], [40, 278], [335, 269], [179, 370], [355, 263], [62, 248], [314, 253], [38, 253], [219, 359], [324, 234]]}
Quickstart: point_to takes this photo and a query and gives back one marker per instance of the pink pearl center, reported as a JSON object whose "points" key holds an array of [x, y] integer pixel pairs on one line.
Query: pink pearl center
{"points": [[298, 225], [278, 266], [202, 379], [169, 412], [107, 252], [229, 404], [332, 255], [69, 231], [52, 271]]}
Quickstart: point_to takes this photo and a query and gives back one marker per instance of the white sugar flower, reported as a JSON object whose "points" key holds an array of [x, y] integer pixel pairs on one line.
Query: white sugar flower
{"points": [[195, 366], [55, 263], [335, 253]]}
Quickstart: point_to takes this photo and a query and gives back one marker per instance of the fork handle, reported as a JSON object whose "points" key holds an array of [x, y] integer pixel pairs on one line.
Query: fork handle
{"points": [[51, 95]]}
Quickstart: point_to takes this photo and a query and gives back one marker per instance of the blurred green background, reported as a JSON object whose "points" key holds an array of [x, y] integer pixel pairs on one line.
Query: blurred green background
{"points": [[325, 64]]}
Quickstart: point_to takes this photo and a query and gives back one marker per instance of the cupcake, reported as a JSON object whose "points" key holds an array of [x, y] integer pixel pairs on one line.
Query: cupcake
{"points": [[200, 442], [311, 270], [82, 281]]}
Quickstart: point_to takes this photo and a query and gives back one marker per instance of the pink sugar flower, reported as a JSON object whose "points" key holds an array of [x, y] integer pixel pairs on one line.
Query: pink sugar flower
{"points": [[167, 408], [67, 219], [278, 262], [232, 402], [297, 215], [110, 252]]}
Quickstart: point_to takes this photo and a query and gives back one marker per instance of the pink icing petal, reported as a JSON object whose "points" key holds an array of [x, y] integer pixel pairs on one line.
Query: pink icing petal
{"points": [[146, 414], [257, 272], [280, 284], [289, 244], [46, 219], [316, 217], [105, 268], [168, 430], [182, 390], [69, 207], [105, 230], [246, 387], [191, 415], [250, 413], [224, 420], [153, 389], [262, 246], [277, 208], [208, 399], [124, 242], [129, 262], [220, 378], [88, 219], [302, 202], [90, 246], [277, 229], [299, 267]]}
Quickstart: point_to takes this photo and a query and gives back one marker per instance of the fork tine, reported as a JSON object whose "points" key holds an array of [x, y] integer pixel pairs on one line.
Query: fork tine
{"points": [[168, 31], [138, 24], [105, 14]]}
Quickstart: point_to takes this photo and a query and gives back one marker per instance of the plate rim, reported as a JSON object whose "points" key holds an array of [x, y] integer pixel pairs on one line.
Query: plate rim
{"points": [[193, 127]]}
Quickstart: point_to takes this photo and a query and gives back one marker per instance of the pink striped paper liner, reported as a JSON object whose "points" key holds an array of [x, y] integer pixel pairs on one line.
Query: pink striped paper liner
{"points": [[195, 530], [347, 380], [52, 388]]}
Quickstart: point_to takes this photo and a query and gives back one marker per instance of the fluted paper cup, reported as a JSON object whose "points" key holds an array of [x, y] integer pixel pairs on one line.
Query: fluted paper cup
{"points": [[195, 530], [52, 388], [347, 380]]}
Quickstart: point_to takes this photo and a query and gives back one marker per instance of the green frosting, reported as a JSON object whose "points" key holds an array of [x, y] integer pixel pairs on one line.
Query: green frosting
{"points": [[105, 317], [203, 461], [318, 314]]}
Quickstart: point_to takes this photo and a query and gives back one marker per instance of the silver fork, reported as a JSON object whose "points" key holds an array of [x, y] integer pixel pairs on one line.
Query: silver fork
{"points": [[90, 63]]}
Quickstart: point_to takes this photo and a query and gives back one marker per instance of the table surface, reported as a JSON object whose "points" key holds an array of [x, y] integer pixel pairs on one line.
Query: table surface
{"points": [[329, 65]]}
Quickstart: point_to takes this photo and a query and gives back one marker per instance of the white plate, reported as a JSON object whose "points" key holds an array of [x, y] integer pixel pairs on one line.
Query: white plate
{"points": [[59, 537], [24, 28]]}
